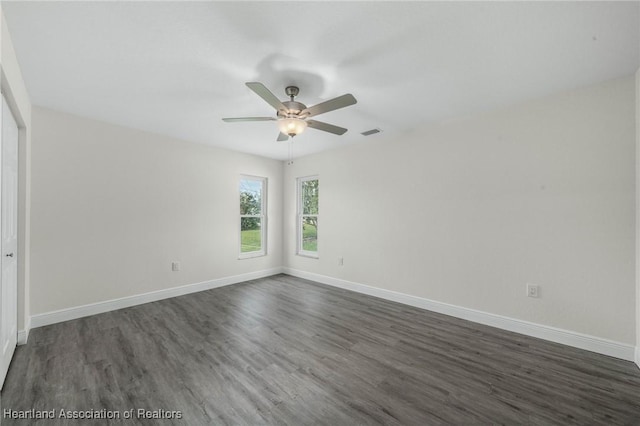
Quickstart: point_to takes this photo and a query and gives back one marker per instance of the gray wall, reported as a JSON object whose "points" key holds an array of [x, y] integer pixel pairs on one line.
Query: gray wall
{"points": [[113, 207], [469, 211], [464, 212]]}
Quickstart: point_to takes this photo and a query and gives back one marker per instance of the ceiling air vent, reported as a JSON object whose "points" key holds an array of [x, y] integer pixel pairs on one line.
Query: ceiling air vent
{"points": [[370, 132]]}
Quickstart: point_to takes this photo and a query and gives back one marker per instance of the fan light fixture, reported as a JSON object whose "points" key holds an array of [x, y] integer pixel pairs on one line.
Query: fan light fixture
{"points": [[292, 126]]}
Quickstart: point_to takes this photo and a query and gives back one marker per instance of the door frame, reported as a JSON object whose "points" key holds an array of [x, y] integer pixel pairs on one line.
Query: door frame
{"points": [[21, 113], [9, 217]]}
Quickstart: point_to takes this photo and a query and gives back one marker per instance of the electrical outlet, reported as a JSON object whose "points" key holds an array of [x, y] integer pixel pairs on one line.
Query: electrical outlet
{"points": [[533, 290], [175, 266], [340, 261]]}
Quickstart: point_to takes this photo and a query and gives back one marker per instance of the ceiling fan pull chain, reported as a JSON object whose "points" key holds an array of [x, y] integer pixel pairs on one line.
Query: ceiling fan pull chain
{"points": [[290, 162]]}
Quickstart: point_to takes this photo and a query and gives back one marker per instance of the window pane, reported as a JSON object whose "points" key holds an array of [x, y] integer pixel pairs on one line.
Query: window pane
{"points": [[250, 196], [250, 234], [309, 233], [310, 197]]}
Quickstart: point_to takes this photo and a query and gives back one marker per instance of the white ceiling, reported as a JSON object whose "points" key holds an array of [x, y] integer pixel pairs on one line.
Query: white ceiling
{"points": [[177, 68]]}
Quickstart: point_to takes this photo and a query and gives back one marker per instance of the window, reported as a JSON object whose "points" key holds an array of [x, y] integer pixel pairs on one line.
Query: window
{"points": [[308, 216], [253, 219]]}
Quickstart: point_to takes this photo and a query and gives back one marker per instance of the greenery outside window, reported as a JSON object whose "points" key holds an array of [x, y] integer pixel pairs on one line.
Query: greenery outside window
{"points": [[253, 219], [308, 215]]}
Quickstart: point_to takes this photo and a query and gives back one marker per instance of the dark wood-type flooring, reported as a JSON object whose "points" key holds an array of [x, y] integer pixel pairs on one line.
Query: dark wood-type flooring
{"points": [[282, 350]]}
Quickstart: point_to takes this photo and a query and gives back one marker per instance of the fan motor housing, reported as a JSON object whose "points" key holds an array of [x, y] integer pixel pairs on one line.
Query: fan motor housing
{"points": [[293, 109]]}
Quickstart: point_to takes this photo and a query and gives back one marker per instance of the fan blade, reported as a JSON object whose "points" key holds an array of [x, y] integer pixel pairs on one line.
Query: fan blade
{"points": [[233, 120], [266, 94], [282, 137], [330, 105], [325, 127]]}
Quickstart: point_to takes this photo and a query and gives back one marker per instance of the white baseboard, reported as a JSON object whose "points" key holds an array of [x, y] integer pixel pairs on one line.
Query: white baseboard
{"points": [[566, 337], [557, 335], [23, 335], [62, 315]]}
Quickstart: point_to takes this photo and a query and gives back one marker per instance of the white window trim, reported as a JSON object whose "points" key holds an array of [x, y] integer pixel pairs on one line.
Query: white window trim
{"points": [[299, 250], [263, 220]]}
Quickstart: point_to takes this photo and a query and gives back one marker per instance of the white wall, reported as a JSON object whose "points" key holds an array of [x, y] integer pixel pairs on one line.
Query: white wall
{"points": [[113, 207], [467, 212], [15, 91]]}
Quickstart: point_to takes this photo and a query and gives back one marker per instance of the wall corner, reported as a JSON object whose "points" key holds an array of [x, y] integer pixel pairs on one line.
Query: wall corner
{"points": [[637, 115]]}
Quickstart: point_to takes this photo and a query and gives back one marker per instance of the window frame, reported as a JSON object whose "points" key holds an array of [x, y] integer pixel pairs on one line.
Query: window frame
{"points": [[262, 216], [299, 218]]}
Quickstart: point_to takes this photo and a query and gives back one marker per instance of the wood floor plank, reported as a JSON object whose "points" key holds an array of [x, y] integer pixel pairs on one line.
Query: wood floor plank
{"points": [[287, 351]]}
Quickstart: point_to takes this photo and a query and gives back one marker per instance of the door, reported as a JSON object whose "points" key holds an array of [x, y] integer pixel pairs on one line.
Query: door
{"points": [[9, 237]]}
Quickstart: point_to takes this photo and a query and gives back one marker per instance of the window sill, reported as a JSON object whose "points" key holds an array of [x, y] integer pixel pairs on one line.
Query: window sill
{"points": [[251, 255], [309, 255]]}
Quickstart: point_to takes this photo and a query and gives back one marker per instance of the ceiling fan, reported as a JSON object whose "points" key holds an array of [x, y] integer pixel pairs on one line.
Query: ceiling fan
{"points": [[293, 116]]}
